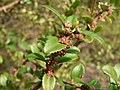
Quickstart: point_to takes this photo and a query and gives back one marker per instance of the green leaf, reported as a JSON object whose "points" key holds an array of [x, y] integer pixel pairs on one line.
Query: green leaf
{"points": [[23, 45], [112, 1], [48, 83], [41, 63], [88, 19], [77, 71], [60, 82], [3, 80], [11, 47], [71, 19], [73, 49], [39, 74], [88, 39], [43, 40], [117, 3], [109, 70], [55, 12], [75, 3], [1, 59], [34, 56], [52, 45], [109, 20], [68, 87], [98, 28], [78, 80], [117, 69], [112, 87], [93, 35], [92, 83], [69, 12], [34, 48], [67, 57], [104, 7]]}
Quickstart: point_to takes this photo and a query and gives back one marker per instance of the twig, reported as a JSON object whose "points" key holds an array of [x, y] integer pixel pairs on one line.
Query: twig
{"points": [[92, 12], [4, 8], [37, 86]]}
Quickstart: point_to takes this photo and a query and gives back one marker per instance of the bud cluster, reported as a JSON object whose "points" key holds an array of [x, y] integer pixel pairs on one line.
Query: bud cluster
{"points": [[67, 28]]}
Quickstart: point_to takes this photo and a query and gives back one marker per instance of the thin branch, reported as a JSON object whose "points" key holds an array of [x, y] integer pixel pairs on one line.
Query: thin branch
{"points": [[92, 12], [37, 86], [4, 8]]}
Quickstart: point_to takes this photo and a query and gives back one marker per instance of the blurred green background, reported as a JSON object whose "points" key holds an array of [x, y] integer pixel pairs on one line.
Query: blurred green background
{"points": [[22, 24]]}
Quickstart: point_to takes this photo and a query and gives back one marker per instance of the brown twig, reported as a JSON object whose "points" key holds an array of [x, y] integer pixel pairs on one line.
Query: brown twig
{"points": [[99, 16], [4, 8], [92, 12]]}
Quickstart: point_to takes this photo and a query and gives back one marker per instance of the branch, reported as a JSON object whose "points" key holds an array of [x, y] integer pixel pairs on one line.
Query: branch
{"points": [[37, 86], [92, 12], [4, 8]]}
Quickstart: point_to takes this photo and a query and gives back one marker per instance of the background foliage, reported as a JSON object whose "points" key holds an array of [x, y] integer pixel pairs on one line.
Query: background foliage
{"points": [[22, 24]]}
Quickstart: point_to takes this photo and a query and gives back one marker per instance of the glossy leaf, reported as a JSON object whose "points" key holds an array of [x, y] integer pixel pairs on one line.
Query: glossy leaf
{"points": [[52, 45], [73, 49], [117, 69], [55, 12], [34, 48], [34, 56], [77, 71], [3, 80], [109, 70], [93, 35], [1, 59], [48, 83], [41, 63], [88, 19], [98, 28], [71, 19], [67, 57]]}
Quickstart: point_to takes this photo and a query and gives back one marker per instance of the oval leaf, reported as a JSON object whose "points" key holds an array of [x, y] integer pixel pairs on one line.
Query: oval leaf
{"points": [[93, 35], [3, 80], [77, 71], [98, 28], [73, 49], [71, 19], [67, 57], [48, 83], [34, 48], [52, 45], [117, 69], [109, 70]]}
